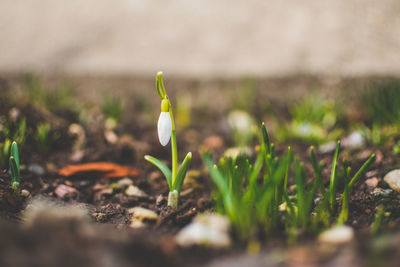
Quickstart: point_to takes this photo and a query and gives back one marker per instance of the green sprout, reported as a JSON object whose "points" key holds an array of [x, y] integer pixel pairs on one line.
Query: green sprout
{"points": [[112, 110], [43, 135], [4, 150], [14, 167], [166, 131], [257, 199], [313, 119]]}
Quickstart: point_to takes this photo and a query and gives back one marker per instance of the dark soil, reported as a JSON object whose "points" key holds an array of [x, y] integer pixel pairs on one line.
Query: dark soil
{"points": [[105, 239]]}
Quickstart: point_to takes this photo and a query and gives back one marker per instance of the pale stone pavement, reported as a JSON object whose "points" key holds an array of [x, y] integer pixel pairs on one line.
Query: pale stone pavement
{"points": [[205, 38]]}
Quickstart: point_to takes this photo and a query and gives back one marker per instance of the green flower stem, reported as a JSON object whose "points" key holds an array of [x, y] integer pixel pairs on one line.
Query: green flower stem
{"points": [[173, 198], [174, 148]]}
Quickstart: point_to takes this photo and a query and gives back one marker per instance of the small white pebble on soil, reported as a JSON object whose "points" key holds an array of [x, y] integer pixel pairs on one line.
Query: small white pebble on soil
{"points": [[372, 182], [140, 216], [236, 151], [42, 210], [355, 139], [25, 193], [36, 169], [206, 229], [134, 191], [124, 182], [337, 235], [393, 179]]}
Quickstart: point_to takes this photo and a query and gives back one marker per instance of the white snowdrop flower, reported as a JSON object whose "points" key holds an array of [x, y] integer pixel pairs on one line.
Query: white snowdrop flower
{"points": [[164, 128]]}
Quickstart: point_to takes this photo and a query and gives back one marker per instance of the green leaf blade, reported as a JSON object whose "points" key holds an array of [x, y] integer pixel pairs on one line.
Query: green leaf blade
{"points": [[15, 153], [362, 171], [163, 168], [333, 180], [14, 171], [180, 177]]}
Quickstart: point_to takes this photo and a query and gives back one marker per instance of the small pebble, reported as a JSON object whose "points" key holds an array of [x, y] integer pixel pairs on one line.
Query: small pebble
{"points": [[379, 192], [372, 182], [337, 235], [327, 148], [25, 193], [63, 190], [393, 179], [143, 214], [124, 182], [160, 200], [110, 136], [36, 169], [355, 139], [213, 142], [134, 191], [233, 152], [206, 229], [141, 217]]}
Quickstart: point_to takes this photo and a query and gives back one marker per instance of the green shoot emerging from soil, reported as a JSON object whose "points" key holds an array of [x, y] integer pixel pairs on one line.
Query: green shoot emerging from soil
{"points": [[14, 167], [257, 200], [166, 131]]}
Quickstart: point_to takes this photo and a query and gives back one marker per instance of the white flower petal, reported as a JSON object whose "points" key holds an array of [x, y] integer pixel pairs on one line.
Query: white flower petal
{"points": [[164, 128]]}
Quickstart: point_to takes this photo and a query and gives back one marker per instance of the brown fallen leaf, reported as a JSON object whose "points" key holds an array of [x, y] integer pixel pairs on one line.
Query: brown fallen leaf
{"points": [[103, 170]]}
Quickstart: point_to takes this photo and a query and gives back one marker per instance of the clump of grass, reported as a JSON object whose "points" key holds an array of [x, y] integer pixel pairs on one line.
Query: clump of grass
{"points": [[43, 136], [382, 103], [257, 200], [12, 128], [112, 108], [58, 98], [312, 120]]}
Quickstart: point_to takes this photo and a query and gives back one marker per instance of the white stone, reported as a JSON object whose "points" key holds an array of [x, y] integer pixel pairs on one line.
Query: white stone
{"points": [[337, 235], [355, 139], [134, 191], [124, 182], [206, 229], [141, 217], [393, 179], [142, 214]]}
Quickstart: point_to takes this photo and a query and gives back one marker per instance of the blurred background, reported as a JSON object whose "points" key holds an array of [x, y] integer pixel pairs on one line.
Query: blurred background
{"points": [[200, 39]]}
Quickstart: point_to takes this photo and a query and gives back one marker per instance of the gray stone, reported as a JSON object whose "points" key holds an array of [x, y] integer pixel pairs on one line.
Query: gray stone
{"points": [[206, 229], [36, 169], [393, 179], [337, 235], [134, 191]]}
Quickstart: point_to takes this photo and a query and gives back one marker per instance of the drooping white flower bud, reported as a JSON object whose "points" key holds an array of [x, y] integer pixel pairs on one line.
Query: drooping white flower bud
{"points": [[164, 128]]}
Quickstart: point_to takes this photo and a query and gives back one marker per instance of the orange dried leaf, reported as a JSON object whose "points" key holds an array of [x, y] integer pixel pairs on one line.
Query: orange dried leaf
{"points": [[104, 170]]}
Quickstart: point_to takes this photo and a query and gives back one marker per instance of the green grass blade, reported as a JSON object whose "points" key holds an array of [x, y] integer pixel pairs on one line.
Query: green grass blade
{"points": [[289, 161], [317, 168], [301, 195], [361, 171], [221, 184], [163, 168], [14, 172], [344, 213], [257, 168], [180, 177], [333, 180], [15, 153], [266, 138]]}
